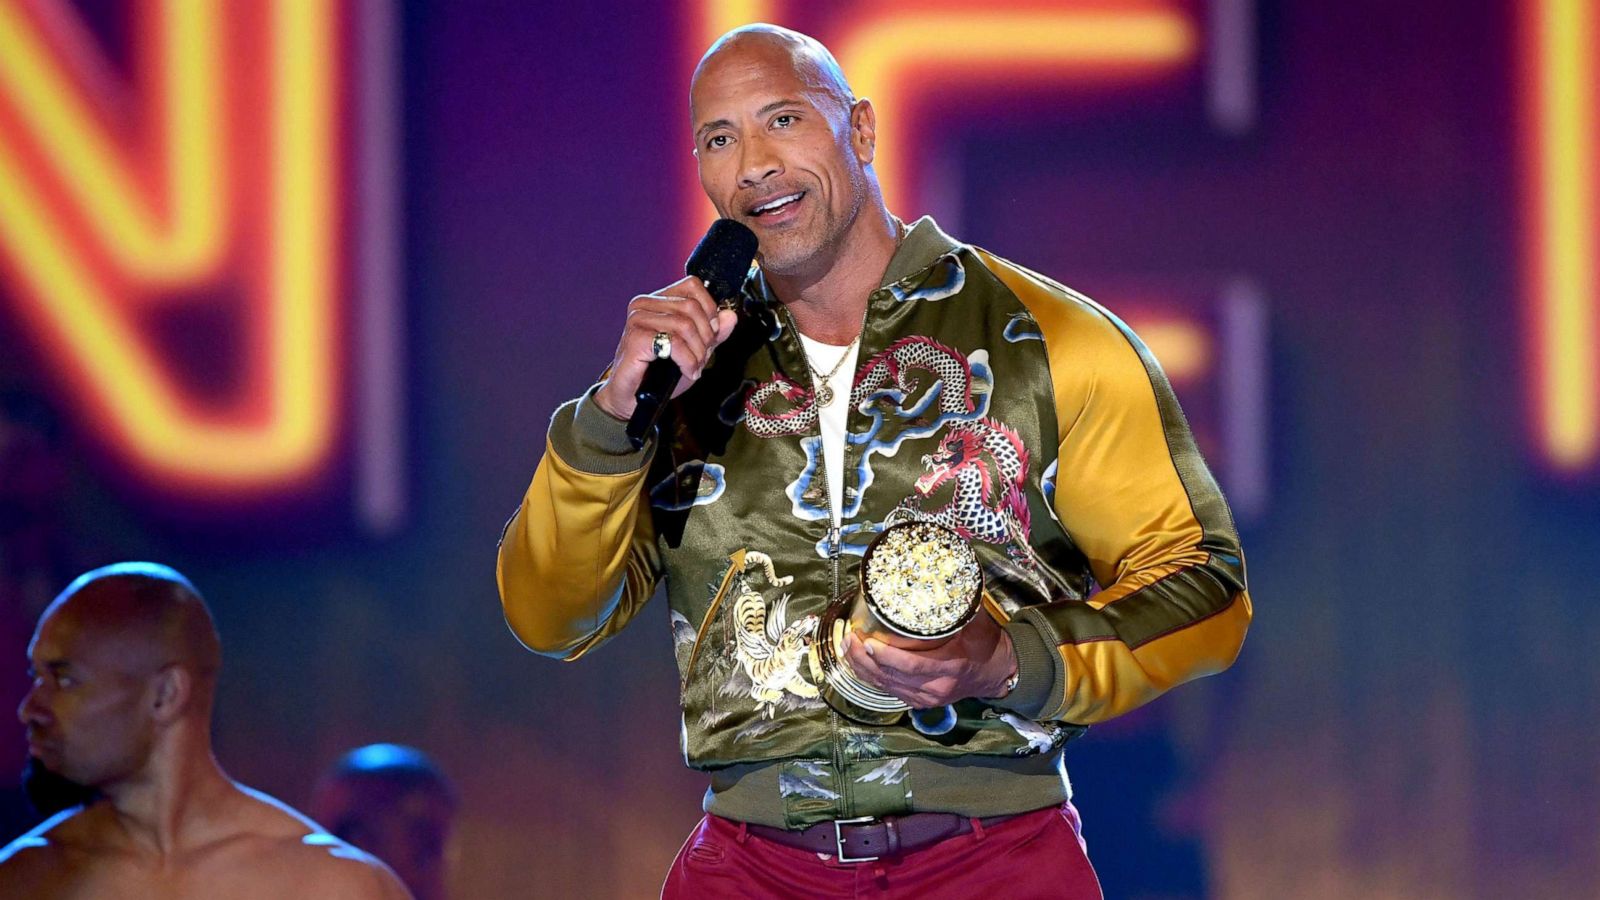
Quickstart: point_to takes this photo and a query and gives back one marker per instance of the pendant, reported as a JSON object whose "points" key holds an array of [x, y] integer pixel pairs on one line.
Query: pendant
{"points": [[824, 394]]}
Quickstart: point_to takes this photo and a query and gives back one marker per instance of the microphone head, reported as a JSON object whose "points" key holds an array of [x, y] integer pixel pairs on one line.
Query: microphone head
{"points": [[722, 258]]}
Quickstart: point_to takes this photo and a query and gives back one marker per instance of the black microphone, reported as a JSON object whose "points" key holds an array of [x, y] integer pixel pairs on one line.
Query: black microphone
{"points": [[721, 260]]}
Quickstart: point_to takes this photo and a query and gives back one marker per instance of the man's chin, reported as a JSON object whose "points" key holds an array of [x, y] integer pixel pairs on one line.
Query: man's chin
{"points": [[787, 254], [49, 792]]}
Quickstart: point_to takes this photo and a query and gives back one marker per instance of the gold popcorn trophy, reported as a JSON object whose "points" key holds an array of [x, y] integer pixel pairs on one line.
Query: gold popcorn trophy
{"points": [[920, 583]]}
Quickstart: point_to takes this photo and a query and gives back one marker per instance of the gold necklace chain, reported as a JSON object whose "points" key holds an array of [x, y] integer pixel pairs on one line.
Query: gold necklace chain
{"points": [[823, 389]]}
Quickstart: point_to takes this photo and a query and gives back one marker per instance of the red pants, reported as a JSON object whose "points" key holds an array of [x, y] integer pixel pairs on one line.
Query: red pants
{"points": [[1033, 856]]}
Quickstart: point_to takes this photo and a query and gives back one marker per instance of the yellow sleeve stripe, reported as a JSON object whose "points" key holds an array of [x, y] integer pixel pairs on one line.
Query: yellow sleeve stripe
{"points": [[568, 582], [1106, 678]]}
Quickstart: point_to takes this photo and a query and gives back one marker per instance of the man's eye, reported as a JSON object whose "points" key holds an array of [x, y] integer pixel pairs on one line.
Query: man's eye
{"points": [[716, 141], [783, 121]]}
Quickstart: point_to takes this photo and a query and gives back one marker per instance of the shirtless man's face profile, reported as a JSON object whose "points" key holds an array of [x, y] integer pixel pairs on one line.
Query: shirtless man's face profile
{"points": [[86, 716]]}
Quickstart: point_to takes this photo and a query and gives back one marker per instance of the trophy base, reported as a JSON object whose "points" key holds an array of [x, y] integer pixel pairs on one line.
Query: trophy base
{"points": [[847, 694]]}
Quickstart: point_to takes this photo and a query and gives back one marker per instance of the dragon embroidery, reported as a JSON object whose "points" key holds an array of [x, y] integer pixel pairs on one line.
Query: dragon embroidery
{"points": [[899, 366], [988, 465]]}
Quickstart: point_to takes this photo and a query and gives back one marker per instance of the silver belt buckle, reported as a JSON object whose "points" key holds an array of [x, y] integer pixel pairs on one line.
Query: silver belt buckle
{"points": [[838, 839]]}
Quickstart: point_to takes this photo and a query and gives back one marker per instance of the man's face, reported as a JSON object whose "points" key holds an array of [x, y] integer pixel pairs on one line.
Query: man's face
{"points": [[779, 154], [85, 714]]}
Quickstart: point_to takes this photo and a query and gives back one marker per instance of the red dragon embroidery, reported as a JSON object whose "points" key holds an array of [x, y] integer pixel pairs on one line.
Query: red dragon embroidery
{"points": [[989, 465], [900, 365]]}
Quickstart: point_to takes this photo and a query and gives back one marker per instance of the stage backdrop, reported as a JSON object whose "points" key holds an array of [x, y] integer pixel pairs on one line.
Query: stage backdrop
{"points": [[289, 289]]}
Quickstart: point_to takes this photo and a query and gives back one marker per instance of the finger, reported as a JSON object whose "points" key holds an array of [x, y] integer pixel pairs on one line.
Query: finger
{"points": [[907, 663], [865, 667], [678, 307], [723, 325], [646, 322], [722, 317], [924, 695], [694, 290], [860, 663], [921, 696], [912, 691], [932, 692], [648, 314], [684, 350]]}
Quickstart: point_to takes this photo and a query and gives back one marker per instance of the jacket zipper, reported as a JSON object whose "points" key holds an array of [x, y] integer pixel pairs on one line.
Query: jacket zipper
{"points": [[835, 550], [847, 803]]}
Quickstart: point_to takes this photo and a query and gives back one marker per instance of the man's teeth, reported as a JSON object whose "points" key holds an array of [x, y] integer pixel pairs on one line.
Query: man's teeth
{"points": [[774, 205]]}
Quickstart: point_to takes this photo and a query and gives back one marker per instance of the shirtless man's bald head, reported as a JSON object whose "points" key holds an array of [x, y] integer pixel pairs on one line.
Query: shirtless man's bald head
{"points": [[157, 608], [124, 668]]}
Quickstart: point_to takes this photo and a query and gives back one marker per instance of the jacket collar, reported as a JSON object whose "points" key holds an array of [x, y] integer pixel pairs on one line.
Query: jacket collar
{"points": [[924, 245]]}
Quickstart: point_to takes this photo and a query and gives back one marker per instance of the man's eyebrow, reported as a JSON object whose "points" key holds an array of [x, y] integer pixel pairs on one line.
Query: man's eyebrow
{"points": [[776, 105], [719, 123], [765, 110]]}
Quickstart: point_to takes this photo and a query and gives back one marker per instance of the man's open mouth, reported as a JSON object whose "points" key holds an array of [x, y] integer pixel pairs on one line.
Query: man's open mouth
{"points": [[777, 204]]}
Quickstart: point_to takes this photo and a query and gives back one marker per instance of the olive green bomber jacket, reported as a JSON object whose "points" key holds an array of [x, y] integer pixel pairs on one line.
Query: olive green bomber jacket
{"points": [[987, 397]]}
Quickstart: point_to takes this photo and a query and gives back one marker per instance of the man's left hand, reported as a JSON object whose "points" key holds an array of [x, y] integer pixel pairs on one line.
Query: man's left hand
{"points": [[977, 662]]}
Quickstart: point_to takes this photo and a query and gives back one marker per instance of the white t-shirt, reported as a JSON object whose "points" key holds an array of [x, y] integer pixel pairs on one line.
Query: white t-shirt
{"points": [[832, 417]]}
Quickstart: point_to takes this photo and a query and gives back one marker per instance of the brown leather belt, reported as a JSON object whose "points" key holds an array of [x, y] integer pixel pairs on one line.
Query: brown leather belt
{"points": [[867, 839]]}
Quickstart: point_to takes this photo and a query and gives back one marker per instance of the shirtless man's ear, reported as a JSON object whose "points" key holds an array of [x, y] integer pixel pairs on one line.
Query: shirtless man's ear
{"points": [[171, 690]]}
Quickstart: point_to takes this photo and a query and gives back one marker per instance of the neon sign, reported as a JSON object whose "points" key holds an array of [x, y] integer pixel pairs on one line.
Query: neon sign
{"points": [[209, 179], [1563, 212]]}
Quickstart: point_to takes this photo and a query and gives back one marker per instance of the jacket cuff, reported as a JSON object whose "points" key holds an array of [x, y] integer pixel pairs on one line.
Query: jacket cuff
{"points": [[1037, 671], [591, 440]]}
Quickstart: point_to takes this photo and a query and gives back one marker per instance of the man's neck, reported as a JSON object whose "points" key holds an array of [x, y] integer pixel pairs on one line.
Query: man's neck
{"points": [[828, 303], [174, 804]]}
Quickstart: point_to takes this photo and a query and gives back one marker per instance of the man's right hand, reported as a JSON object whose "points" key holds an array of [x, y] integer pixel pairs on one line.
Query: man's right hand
{"points": [[684, 311]]}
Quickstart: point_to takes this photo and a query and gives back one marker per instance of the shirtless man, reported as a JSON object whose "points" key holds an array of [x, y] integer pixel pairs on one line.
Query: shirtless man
{"points": [[124, 665]]}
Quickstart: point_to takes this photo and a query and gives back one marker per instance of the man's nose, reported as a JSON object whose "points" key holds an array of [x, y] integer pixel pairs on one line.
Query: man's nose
{"points": [[759, 162], [31, 710]]}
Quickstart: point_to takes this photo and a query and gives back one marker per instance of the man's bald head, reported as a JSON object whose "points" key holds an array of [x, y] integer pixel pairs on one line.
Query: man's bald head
{"points": [[785, 147], [124, 665], [811, 62], [144, 616]]}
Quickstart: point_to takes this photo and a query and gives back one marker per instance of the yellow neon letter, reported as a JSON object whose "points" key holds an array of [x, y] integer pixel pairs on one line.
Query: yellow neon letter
{"points": [[1560, 61], [94, 223]]}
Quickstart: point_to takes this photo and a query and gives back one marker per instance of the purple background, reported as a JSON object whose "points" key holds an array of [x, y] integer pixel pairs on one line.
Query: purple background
{"points": [[1413, 712]]}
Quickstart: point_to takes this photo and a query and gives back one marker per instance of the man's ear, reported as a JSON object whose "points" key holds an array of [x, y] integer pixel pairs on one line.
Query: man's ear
{"points": [[173, 689], [864, 130]]}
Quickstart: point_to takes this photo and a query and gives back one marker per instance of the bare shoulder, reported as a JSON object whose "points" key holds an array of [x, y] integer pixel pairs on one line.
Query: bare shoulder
{"points": [[36, 859], [290, 842]]}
